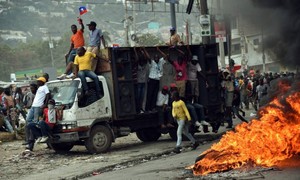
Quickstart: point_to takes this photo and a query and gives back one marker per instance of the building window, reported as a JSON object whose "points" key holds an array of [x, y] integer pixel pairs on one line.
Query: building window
{"points": [[236, 49]]}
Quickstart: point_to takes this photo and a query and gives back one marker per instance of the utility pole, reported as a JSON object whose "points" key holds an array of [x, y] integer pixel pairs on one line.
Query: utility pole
{"points": [[51, 47], [204, 11], [126, 26], [221, 42], [173, 14]]}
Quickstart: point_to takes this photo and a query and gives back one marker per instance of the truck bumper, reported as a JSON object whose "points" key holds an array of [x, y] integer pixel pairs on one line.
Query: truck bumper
{"points": [[65, 137]]}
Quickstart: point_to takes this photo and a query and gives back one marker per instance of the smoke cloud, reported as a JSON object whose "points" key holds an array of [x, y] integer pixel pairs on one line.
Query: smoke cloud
{"points": [[279, 20]]}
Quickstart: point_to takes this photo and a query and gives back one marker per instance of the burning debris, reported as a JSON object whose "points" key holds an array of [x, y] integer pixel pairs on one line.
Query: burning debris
{"points": [[264, 142]]}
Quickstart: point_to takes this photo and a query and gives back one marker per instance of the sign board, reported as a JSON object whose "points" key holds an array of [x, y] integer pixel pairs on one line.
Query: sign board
{"points": [[220, 28], [220, 38]]}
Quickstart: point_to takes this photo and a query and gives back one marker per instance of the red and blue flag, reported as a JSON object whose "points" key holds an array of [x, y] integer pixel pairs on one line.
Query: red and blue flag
{"points": [[82, 10]]}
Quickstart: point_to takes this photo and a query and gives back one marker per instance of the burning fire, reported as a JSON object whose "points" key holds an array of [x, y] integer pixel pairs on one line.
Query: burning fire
{"points": [[274, 137]]}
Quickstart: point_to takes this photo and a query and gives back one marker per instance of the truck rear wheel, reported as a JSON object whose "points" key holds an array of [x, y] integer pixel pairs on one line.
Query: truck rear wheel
{"points": [[148, 135], [61, 147], [100, 139]]}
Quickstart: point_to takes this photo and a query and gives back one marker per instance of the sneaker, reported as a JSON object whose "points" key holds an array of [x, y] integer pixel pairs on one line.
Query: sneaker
{"points": [[63, 76], [38, 139], [141, 112], [204, 123], [177, 150], [44, 139], [70, 76], [197, 123], [200, 128], [195, 145]]}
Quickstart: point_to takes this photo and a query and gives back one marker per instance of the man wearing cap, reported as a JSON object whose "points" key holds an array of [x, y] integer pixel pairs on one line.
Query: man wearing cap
{"points": [[77, 40], [193, 69], [175, 38], [39, 102], [96, 37]]}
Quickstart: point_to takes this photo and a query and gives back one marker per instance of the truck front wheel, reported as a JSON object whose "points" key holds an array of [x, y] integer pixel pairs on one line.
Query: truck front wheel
{"points": [[100, 139], [148, 135]]}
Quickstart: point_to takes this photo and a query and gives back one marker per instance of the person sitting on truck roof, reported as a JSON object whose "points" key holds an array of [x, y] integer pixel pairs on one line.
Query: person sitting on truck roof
{"points": [[174, 38], [83, 69], [77, 40]]}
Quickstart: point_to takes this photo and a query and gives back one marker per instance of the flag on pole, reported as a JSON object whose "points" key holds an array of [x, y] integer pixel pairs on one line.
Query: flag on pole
{"points": [[82, 10]]}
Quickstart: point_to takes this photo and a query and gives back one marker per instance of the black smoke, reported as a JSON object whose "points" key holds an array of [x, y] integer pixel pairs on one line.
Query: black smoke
{"points": [[278, 20]]}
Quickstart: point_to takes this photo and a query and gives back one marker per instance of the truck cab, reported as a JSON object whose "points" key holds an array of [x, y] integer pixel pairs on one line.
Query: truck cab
{"points": [[80, 113]]}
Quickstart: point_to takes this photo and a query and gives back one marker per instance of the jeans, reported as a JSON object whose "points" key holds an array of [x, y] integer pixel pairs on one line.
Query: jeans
{"points": [[87, 73], [8, 125], [34, 114], [140, 95], [152, 90], [45, 129], [183, 127], [196, 111], [72, 56], [34, 133]]}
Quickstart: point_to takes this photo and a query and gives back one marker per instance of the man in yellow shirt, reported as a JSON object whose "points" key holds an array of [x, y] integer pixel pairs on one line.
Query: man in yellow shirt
{"points": [[181, 114], [174, 38], [83, 69]]}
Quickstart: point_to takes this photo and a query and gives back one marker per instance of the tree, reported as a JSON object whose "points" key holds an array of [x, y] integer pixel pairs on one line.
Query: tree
{"points": [[148, 40]]}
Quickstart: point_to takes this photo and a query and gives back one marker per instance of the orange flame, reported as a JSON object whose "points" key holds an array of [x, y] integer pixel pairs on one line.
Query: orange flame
{"points": [[263, 142]]}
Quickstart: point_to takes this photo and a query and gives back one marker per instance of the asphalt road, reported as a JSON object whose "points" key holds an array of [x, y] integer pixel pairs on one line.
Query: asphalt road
{"points": [[129, 158]]}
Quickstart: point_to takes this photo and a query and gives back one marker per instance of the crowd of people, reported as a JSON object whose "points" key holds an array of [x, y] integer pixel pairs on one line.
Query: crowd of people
{"points": [[171, 87]]}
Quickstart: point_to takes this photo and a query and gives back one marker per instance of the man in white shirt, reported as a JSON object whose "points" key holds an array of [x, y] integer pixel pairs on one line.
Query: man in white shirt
{"points": [[39, 102], [161, 105], [193, 69]]}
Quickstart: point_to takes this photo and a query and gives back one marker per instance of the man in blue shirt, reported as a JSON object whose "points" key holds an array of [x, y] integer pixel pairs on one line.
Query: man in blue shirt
{"points": [[95, 38]]}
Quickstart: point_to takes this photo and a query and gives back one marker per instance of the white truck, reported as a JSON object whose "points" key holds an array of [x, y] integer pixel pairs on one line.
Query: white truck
{"points": [[97, 122]]}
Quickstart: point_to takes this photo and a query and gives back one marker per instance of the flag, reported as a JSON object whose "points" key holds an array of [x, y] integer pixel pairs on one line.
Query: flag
{"points": [[82, 10]]}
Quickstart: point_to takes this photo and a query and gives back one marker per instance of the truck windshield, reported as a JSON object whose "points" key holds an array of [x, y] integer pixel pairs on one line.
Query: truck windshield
{"points": [[63, 92]]}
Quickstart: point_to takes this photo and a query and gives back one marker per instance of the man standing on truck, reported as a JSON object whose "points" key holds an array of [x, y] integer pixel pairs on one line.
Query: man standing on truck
{"points": [[77, 40], [83, 69], [96, 37], [155, 73]]}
